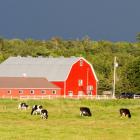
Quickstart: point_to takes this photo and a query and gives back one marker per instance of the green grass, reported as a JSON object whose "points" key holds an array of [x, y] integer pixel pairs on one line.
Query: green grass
{"points": [[64, 122]]}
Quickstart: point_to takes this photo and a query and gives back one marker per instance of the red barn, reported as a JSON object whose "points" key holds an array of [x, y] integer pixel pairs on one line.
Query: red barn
{"points": [[80, 79], [24, 86], [74, 75]]}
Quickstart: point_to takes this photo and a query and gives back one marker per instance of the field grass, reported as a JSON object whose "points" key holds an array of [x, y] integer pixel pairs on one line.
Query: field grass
{"points": [[65, 123]]}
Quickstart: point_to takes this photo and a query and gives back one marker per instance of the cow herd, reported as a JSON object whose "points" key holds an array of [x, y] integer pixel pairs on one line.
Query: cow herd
{"points": [[84, 111], [36, 110]]}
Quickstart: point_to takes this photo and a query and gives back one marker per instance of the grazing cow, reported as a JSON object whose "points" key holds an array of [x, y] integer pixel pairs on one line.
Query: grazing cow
{"points": [[44, 114], [85, 111], [23, 106], [125, 112], [36, 109]]}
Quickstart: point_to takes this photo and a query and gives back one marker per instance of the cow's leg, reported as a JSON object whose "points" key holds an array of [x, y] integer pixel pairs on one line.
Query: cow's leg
{"points": [[19, 106], [81, 114], [42, 115]]}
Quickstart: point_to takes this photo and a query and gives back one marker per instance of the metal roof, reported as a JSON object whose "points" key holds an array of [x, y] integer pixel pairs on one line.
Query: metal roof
{"points": [[25, 82], [54, 69]]}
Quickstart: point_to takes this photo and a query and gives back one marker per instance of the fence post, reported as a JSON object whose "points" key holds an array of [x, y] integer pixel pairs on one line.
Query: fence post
{"points": [[49, 97]]}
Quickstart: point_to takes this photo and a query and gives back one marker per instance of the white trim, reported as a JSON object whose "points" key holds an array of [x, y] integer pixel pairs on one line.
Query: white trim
{"points": [[98, 97], [91, 68], [56, 81]]}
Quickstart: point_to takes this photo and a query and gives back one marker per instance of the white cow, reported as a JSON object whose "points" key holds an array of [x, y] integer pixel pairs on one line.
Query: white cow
{"points": [[44, 114], [23, 106], [36, 110]]}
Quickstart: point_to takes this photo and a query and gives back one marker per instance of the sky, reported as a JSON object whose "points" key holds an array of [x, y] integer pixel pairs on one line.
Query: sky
{"points": [[113, 20]]}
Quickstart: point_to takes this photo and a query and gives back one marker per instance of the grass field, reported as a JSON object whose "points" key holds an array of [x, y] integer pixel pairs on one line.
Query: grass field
{"points": [[65, 123]]}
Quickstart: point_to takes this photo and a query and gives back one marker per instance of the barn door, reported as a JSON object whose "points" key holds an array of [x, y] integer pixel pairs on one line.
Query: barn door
{"points": [[80, 93]]}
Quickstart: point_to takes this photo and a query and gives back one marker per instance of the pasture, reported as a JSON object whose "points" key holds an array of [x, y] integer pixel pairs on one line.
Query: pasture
{"points": [[65, 123]]}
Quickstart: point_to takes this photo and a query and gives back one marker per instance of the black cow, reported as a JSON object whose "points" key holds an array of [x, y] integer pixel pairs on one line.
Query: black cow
{"points": [[23, 106], [85, 111], [36, 109], [44, 114], [125, 112]]}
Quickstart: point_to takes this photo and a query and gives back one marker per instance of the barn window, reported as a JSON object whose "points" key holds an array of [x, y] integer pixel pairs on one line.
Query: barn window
{"points": [[54, 92], [20, 91], [70, 93], [90, 87], [89, 93], [80, 93], [43, 91], [32, 91], [80, 82], [9, 91], [81, 62]]}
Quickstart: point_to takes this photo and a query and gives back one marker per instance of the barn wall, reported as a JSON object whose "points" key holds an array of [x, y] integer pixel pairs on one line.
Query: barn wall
{"points": [[78, 72], [61, 85], [84, 73], [15, 92]]}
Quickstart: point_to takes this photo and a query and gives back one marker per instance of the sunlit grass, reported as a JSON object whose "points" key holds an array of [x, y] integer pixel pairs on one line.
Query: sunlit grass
{"points": [[64, 122]]}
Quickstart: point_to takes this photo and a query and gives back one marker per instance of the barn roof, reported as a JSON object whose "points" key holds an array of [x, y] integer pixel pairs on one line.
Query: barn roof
{"points": [[54, 69], [25, 82]]}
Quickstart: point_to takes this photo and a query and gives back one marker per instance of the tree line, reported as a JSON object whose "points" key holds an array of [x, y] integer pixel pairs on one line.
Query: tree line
{"points": [[99, 53]]}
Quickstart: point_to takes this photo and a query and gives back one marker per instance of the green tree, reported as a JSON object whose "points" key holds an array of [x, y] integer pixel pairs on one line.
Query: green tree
{"points": [[138, 37], [131, 79]]}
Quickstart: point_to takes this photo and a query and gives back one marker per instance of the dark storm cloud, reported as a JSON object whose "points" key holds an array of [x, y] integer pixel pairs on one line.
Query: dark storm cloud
{"points": [[114, 20]]}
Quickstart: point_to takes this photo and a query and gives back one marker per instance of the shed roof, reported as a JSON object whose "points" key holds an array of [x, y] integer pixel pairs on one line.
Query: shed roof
{"points": [[54, 69], [25, 82]]}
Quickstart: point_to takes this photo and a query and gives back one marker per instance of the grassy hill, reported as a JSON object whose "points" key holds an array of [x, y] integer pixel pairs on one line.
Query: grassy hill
{"points": [[65, 123]]}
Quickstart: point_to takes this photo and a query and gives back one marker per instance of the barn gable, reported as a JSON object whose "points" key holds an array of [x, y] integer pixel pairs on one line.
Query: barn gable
{"points": [[81, 58]]}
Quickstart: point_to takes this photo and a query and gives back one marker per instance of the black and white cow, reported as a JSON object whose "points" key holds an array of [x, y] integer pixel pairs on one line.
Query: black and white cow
{"points": [[44, 114], [36, 109], [23, 106], [125, 112], [85, 111]]}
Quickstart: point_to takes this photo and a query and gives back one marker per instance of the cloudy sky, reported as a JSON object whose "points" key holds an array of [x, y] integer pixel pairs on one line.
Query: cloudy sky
{"points": [[114, 20]]}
